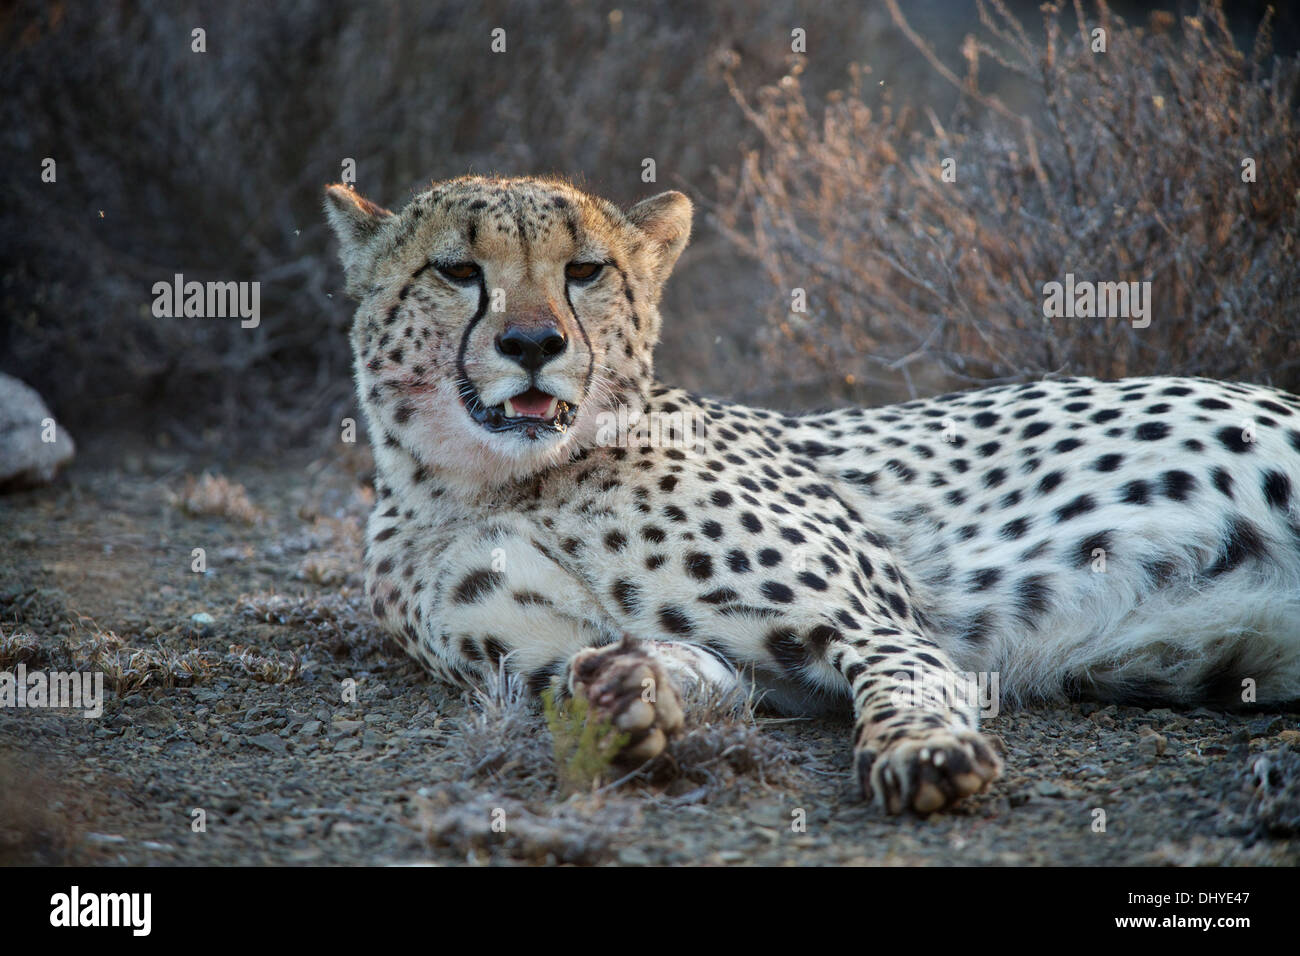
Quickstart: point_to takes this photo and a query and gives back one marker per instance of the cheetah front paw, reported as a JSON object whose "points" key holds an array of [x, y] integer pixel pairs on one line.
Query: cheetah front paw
{"points": [[930, 772], [629, 688]]}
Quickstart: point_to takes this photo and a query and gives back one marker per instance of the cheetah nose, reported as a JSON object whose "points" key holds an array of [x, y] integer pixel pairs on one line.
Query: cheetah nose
{"points": [[531, 347]]}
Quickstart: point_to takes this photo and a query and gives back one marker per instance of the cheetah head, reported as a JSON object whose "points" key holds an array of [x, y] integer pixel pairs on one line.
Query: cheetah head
{"points": [[501, 320]]}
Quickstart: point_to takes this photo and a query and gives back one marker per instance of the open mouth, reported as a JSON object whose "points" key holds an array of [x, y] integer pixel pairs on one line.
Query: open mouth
{"points": [[532, 413]]}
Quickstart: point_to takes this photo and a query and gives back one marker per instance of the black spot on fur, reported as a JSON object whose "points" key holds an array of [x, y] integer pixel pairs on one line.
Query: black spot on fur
{"points": [[1177, 485], [1242, 543], [1231, 439], [1032, 595], [675, 621], [1135, 493], [698, 565], [1277, 489], [777, 592], [1222, 481], [1083, 557], [476, 585], [1151, 431], [1014, 530], [1079, 506], [786, 650], [627, 594]]}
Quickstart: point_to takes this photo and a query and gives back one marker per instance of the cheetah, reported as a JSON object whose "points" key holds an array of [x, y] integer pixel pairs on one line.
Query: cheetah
{"points": [[1130, 541]]}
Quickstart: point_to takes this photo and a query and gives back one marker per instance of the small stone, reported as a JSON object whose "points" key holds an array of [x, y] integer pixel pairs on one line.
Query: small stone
{"points": [[27, 457], [1151, 742], [1267, 726], [633, 856], [311, 728], [269, 742]]}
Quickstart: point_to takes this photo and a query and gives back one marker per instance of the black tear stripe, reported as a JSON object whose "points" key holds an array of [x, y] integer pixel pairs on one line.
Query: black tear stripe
{"points": [[469, 330], [420, 271], [586, 339]]}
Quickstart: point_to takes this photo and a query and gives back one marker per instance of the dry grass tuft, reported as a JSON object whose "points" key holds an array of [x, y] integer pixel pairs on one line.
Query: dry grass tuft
{"points": [[268, 670], [473, 821], [216, 496], [128, 669], [17, 647]]}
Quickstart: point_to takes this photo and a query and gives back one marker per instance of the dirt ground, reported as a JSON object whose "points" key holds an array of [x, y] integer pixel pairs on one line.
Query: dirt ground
{"points": [[228, 735]]}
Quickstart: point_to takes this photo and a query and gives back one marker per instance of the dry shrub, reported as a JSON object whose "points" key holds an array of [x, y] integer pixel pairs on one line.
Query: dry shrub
{"points": [[216, 496], [1126, 168], [470, 821], [723, 745], [129, 668], [261, 667], [212, 165], [17, 647]]}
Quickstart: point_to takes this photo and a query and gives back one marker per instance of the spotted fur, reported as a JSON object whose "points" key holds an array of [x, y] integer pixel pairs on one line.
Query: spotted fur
{"points": [[1129, 541]]}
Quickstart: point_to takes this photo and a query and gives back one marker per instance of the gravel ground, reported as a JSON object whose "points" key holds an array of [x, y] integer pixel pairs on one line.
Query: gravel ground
{"points": [[228, 708]]}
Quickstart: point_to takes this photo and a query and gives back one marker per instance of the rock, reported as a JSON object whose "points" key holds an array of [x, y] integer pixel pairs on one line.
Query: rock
{"points": [[633, 856], [26, 458], [269, 742], [1152, 742], [1267, 726]]}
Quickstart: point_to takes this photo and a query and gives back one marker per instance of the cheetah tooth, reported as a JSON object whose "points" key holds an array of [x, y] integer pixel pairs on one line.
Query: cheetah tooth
{"points": [[510, 409], [550, 409]]}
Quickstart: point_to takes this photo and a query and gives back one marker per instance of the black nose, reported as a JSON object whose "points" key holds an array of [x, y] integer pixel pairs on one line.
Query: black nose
{"points": [[531, 347]]}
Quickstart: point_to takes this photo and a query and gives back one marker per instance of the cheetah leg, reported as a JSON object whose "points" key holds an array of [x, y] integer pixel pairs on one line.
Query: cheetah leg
{"points": [[916, 745]]}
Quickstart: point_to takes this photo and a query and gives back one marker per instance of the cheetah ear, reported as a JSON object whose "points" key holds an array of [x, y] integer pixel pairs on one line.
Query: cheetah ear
{"points": [[666, 219], [356, 221]]}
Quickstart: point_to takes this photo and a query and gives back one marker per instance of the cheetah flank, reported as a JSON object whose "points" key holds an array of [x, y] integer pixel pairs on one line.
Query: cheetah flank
{"points": [[1129, 541]]}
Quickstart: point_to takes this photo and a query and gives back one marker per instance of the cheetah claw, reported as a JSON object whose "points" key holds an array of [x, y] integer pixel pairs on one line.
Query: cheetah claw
{"points": [[630, 689], [929, 773]]}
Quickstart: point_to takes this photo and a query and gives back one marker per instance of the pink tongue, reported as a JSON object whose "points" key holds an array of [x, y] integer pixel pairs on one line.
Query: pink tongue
{"points": [[532, 403]]}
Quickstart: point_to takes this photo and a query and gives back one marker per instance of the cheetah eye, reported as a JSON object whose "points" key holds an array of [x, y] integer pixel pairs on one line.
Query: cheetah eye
{"points": [[460, 271], [583, 271]]}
